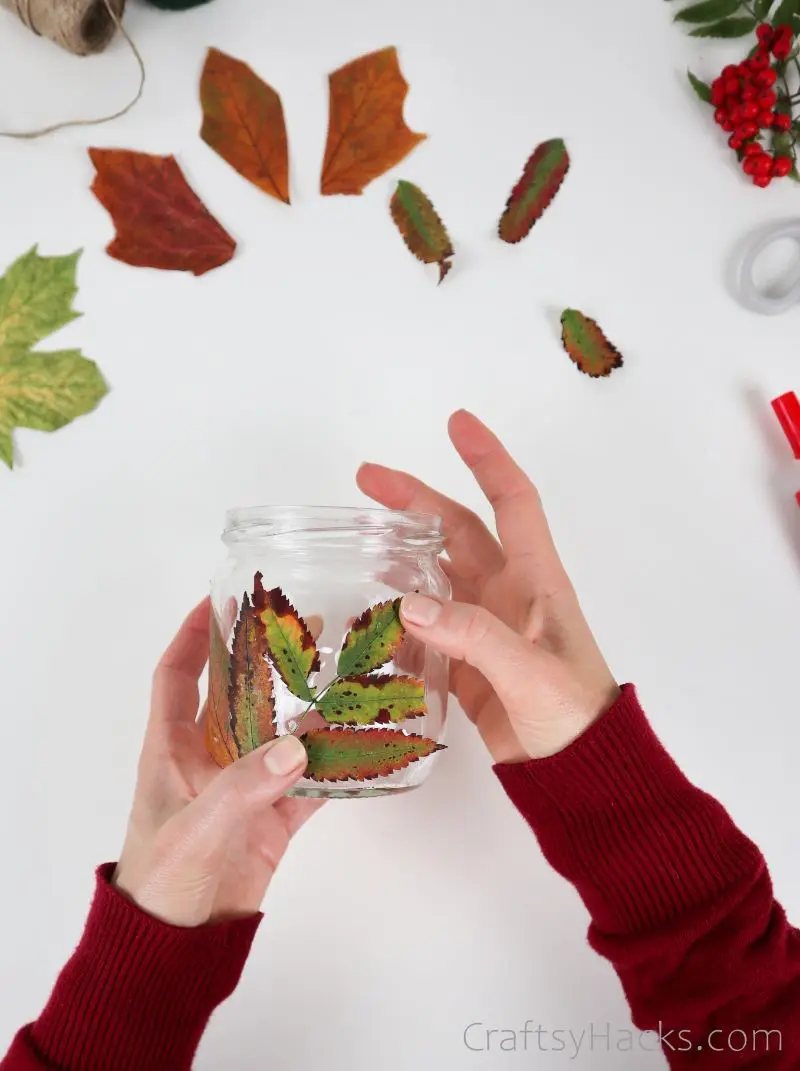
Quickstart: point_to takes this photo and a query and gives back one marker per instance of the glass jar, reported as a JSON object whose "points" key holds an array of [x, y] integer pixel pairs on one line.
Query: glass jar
{"points": [[306, 638]]}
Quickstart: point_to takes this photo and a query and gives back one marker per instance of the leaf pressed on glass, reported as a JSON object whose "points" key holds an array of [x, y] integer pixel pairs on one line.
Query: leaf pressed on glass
{"points": [[702, 89], [367, 134], [291, 645], [371, 700], [708, 11], [220, 741], [373, 640], [727, 28], [540, 182], [421, 228], [362, 754], [160, 220], [43, 391], [587, 345], [243, 122], [250, 690]]}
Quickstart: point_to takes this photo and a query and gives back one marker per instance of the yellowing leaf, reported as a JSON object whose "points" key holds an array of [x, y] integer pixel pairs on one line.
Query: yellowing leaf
{"points": [[587, 345], [540, 182], [421, 228], [43, 391], [372, 641], [362, 754], [367, 134], [372, 700], [220, 741], [250, 690], [291, 645], [243, 122]]}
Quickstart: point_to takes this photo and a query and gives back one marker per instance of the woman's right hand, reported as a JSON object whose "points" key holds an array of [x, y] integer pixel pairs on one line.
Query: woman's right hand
{"points": [[527, 669]]}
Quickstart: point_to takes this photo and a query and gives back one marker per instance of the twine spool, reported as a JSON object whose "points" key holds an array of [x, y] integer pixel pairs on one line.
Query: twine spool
{"points": [[80, 26]]}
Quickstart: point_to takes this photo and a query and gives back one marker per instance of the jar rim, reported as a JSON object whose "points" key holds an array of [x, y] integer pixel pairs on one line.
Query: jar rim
{"points": [[283, 519]]}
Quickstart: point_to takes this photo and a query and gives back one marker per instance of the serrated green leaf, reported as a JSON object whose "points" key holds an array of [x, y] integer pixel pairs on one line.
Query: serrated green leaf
{"points": [[250, 690], [728, 28], [370, 700], [541, 180], [587, 345], [785, 11], [362, 754], [421, 228], [701, 88], [42, 391], [708, 11], [291, 645], [372, 641]]}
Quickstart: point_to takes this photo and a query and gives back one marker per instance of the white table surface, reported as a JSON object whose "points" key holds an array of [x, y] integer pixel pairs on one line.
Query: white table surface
{"points": [[669, 486]]}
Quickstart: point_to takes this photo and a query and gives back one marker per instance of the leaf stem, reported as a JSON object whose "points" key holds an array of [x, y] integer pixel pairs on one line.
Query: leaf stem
{"points": [[313, 703]]}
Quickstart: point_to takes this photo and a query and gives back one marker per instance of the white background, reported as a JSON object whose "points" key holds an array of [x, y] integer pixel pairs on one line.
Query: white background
{"points": [[394, 924]]}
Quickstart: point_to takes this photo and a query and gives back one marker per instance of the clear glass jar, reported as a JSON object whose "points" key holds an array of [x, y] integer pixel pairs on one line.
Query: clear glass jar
{"points": [[306, 638]]}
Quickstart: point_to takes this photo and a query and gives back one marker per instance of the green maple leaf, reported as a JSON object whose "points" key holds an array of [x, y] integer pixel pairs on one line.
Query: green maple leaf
{"points": [[43, 391]]}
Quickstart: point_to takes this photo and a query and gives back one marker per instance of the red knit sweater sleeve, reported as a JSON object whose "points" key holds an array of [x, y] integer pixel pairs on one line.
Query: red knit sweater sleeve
{"points": [[136, 994], [681, 901]]}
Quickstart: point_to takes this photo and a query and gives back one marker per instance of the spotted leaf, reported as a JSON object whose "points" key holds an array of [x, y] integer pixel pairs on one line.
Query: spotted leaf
{"points": [[362, 754], [291, 646], [375, 699], [220, 741], [250, 689], [540, 182], [372, 641], [586, 344]]}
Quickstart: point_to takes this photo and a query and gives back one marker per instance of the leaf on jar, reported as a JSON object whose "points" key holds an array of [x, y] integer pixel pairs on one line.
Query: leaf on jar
{"points": [[160, 220], [421, 228], [370, 700], [367, 134], [362, 754], [540, 182], [291, 645], [250, 690], [243, 122], [373, 640], [220, 741], [586, 344]]}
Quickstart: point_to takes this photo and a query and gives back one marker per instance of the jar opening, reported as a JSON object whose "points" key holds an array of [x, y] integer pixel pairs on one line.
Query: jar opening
{"points": [[253, 523]]}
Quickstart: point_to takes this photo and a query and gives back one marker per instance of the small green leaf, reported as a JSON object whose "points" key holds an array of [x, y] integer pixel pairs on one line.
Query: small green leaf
{"points": [[785, 11], [372, 700], [708, 11], [372, 641], [702, 89], [728, 28], [291, 645], [362, 754], [587, 345], [421, 228], [782, 144]]}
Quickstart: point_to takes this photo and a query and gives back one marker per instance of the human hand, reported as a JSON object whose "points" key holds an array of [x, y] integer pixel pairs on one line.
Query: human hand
{"points": [[203, 843], [527, 671]]}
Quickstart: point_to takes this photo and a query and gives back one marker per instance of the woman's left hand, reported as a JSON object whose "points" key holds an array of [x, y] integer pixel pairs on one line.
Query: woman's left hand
{"points": [[203, 843]]}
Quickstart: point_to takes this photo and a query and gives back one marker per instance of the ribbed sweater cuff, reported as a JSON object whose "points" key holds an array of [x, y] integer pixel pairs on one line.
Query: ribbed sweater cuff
{"points": [[137, 993], [615, 816]]}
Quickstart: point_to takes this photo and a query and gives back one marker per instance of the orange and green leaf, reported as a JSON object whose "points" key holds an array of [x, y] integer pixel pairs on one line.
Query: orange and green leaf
{"points": [[421, 228], [367, 134], [220, 741], [250, 690], [373, 640], [362, 754], [586, 344], [243, 122], [291, 645], [370, 700], [540, 182]]}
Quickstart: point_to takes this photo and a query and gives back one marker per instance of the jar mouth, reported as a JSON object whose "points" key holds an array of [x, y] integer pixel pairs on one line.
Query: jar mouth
{"points": [[249, 523]]}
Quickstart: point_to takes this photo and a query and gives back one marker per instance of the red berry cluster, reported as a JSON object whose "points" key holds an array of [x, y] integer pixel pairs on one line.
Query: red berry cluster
{"points": [[745, 100]]}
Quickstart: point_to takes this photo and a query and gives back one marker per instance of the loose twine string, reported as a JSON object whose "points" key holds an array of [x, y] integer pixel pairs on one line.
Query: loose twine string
{"points": [[23, 8]]}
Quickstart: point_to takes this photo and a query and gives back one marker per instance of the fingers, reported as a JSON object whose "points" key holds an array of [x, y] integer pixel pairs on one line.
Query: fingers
{"points": [[521, 522], [175, 694], [472, 548]]}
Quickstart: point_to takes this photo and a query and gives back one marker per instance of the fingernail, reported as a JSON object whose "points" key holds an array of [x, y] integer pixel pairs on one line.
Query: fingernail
{"points": [[420, 609], [285, 756]]}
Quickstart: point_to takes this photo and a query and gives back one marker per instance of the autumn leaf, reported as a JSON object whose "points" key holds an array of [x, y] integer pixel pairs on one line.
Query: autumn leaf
{"points": [[587, 345], [370, 700], [220, 741], [367, 134], [243, 122], [421, 228], [372, 641], [250, 688], [362, 754], [291, 645], [540, 182], [43, 391], [160, 220]]}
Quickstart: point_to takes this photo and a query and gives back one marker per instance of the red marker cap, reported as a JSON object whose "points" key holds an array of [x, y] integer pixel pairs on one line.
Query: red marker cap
{"points": [[787, 410]]}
